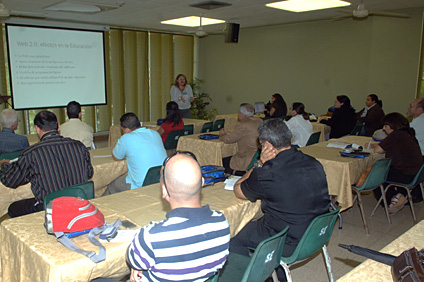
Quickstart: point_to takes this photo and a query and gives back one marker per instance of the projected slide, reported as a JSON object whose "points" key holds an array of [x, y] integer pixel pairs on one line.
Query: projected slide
{"points": [[50, 67]]}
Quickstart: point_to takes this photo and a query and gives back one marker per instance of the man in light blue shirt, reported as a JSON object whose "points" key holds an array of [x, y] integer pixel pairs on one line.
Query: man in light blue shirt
{"points": [[141, 147]]}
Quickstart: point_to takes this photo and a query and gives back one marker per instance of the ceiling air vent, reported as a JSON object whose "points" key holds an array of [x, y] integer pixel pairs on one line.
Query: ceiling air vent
{"points": [[210, 5]]}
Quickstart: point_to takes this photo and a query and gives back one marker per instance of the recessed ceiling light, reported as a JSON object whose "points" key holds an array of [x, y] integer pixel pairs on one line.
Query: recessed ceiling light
{"points": [[192, 21], [307, 5]]}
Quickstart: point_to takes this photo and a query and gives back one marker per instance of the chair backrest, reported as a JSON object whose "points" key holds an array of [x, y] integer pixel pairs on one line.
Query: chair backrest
{"points": [[207, 126], [152, 175], [218, 124], [10, 155], [419, 177], [316, 235], [357, 129], [172, 139], [188, 129], [377, 175], [266, 258], [84, 190], [255, 158], [314, 138]]}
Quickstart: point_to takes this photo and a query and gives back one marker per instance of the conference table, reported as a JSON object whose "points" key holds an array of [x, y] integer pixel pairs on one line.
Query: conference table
{"points": [[341, 172], [105, 171], [323, 128], [28, 253], [207, 152], [371, 270], [115, 130], [32, 138]]}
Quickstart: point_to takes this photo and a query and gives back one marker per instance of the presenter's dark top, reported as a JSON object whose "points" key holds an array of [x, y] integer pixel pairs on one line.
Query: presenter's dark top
{"points": [[293, 190], [51, 164]]}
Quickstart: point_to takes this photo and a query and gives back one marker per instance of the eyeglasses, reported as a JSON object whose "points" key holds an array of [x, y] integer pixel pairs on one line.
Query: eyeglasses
{"points": [[167, 160]]}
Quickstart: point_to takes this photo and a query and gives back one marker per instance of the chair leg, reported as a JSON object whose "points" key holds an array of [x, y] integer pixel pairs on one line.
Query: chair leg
{"points": [[361, 209], [328, 263], [411, 205], [339, 214], [287, 271], [383, 197]]}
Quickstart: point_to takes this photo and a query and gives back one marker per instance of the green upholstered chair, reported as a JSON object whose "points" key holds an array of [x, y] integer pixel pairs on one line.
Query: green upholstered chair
{"points": [[315, 237], [84, 190], [375, 179], [188, 129], [258, 267], [418, 180], [255, 158], [152, 175], [10, 155], [218, 124], [172, 139], [207, 127], [314, 138], [357, 129]]}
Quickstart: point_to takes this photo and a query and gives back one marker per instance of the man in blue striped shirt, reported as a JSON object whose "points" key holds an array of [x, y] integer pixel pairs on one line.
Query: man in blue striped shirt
{"points": [[191, 244]]}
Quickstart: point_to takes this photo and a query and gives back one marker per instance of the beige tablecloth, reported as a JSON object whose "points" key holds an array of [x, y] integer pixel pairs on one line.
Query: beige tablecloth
{"points": [[208, 152], [320, 127], [32, 139], [28, 253], [341, 172], [115, 130], [374, 271], [105, 171]]}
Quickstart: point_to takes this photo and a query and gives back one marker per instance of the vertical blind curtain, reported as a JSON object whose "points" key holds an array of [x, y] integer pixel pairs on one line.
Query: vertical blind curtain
{"points": [[140, 70]]}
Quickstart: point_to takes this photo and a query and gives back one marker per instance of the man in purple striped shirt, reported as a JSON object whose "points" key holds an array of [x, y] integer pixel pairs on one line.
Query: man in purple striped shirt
{"points": [[49, 165], [191, 244]]}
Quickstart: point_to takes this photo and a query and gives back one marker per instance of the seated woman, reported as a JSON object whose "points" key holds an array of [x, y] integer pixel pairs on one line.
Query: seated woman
{"points": [[371, 115], [278, 108], [299, 125], [343, 119], [402, 146], [173, 120]]}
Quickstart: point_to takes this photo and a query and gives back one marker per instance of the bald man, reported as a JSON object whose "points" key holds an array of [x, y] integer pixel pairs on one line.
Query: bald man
{"points": [[416, 110], [191, 244]]}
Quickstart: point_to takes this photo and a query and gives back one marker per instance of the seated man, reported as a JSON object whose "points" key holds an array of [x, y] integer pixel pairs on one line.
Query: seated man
{"points": [[191, 244], [142, 148], [49, 165], [291, 185], [416, 110], [246, 135], [9, 141], [75, 128]]}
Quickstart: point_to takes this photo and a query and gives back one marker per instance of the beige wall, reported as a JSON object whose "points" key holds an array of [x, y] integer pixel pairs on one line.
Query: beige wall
{"points": [[314, 62]]}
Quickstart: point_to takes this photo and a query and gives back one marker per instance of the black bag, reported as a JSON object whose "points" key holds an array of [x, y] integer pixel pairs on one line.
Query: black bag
{"points": [[213, 174]]}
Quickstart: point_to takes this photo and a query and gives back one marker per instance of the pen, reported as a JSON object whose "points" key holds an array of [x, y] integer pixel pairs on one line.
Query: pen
{"points": [[369, 145]]}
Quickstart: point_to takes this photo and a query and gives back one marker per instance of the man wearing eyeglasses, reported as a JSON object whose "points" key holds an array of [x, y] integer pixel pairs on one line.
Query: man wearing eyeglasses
{"points": [[191, 244], [291, 185]]}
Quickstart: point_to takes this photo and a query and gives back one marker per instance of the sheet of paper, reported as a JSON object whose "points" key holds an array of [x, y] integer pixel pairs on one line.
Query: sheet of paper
{"points": [[338, 145], [229, 183], [102, 156]]}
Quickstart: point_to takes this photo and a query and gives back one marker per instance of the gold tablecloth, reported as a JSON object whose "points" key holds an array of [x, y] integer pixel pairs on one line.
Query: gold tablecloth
{"points": [[341, 172], [28, 253], [208, 152], [320, 127], [115, 130], [32, 139], [105, 171], [374, 271]]}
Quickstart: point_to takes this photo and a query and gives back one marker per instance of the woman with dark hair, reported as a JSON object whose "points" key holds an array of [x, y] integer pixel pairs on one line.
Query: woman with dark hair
{"points": [[402, 147], [343, 119], [173, 120], [278, 107], [182, 94], [299, 125], [371, 115]]}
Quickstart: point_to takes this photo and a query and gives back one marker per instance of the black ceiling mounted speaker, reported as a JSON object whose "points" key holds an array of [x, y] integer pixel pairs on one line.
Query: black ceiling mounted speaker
{"points": [[232, 34]]}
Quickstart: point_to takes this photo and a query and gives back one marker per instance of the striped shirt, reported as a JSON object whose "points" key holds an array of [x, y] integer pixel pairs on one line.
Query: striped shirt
{"points": [[190, 245], [11, 142], [51, 164]]}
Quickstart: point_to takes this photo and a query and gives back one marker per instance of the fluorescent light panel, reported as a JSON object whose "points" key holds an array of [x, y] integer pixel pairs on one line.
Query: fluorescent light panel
{"points": [[307, 5], [192, 21]]}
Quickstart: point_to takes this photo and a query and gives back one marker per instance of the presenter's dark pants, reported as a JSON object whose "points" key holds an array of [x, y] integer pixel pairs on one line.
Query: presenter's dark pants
{"points": [[24, 207], [250, 236]]}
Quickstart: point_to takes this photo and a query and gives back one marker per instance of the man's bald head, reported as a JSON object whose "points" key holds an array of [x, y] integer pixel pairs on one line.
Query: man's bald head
{"points": [[416, 108], [183, 178]]}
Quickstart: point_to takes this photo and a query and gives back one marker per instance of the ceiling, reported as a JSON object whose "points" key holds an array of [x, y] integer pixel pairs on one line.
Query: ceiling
{"points": [[147, 14]]}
